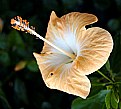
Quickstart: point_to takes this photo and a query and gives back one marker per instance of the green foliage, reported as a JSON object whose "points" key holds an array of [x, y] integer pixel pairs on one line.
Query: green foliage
{"points": [[114, 24], [107, 65], [4, 58], [71, 4], [112, 100], [14, 39], [102, 4], [96, 101], [3, 99], [32, 66], [21, 84], [20, 91]]}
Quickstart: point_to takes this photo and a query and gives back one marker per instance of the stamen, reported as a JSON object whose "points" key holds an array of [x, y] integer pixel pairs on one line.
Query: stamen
{"points": [[23, 25]]}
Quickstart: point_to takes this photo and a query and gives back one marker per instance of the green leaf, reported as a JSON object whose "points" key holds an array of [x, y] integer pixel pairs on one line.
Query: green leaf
{"points": [[16, 44], [114, 100], [32, 66], [119, 105], [4, 58], [20, 90], [3, 101], [107, 100], [114, 24], [107, 65], [50, 4], [102, 4], [15, 40], [3, 44], [96, 85], [70, 4], [116, 96], [93, 102]]}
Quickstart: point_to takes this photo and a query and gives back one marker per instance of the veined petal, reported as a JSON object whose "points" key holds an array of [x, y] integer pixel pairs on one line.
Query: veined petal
{"points": [[92, 48], [63, 32], [95, 48], [59, 73]]}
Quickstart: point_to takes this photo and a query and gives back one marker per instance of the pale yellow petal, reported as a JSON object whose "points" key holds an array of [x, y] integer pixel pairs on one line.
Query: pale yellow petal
{"points": [[92, 48], [63, 31], [95, 48], [58, 73]]}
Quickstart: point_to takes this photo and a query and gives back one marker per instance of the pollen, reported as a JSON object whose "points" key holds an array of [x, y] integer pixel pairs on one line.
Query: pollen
{"points": [[19, 24]]}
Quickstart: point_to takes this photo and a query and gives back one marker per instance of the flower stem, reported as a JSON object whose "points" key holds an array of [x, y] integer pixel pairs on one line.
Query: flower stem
{"points": [[104, 84], [51, 44], [117, 83], [104, 76]]}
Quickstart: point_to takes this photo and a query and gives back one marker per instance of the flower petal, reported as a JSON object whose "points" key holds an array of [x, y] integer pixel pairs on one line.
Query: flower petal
{"points": [[59, 74], [63, 31], [95, 48]]}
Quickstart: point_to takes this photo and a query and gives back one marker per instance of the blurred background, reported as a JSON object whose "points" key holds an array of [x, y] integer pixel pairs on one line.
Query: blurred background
{"points": [[21, 84]]}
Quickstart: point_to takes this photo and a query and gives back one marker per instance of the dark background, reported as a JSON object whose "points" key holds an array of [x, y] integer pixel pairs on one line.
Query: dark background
{"points": [[24, 88]]}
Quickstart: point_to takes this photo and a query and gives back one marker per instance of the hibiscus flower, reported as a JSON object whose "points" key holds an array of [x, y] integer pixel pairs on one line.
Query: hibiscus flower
{"points": [[70, 51], [87, 50]]}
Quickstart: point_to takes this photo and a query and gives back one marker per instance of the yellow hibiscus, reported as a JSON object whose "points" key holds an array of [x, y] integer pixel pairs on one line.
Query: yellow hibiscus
{"points": [[84, 51]]}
